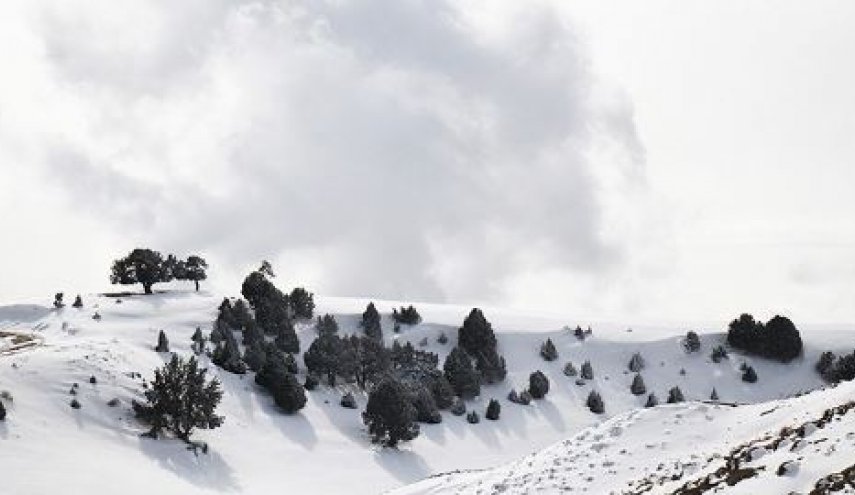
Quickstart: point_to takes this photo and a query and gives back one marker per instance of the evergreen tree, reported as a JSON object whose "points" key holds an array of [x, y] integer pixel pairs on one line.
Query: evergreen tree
{"points": [[327, 355], [652, 401], [372, 360], [180, 399], [286, 337], [255, 355], [140, 266], [251, 333], [636, 363], [78, 302], [692, 343], [548, 351], [718, 353], [198, 339], [2, 411], [442, 391], [638, 387], [348, 401], [595, 403], [493, 410], [476, 334], [407, 316], [458, 408], [371, 323], [538, 385], [778, 339], [491, 366], [326, 325], [389, 415], [287, 392], [675, 395], [57, 300], [472, 418], [226, 355], [714, 395], [442, 339], [426, 408], [311, 382], [460, 373], [749, 375], [570, 370], [587, 371], [162, 343], [302, 303]]}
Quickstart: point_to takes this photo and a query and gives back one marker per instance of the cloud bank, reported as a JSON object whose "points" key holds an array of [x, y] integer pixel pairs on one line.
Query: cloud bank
{"points": [[403, 149]]}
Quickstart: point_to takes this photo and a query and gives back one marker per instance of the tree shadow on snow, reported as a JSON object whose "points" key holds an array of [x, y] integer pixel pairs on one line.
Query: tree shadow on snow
{"points": [[550, 412], [207, 471], [406, 466]]}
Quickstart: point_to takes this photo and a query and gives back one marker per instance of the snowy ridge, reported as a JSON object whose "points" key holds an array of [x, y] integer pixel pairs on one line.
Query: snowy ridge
{"points": [[325, 448]]}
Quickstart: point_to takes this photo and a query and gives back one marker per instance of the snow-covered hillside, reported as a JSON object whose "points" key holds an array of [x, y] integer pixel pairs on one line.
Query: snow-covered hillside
{"points": [[45, 445]]}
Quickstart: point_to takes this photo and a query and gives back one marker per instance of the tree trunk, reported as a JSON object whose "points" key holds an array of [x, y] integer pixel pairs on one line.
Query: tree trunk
{"points": [[147, 288], [197, 285]]}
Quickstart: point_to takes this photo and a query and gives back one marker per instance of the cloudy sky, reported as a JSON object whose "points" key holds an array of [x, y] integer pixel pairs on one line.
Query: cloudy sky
{"points": [[671, 161]]}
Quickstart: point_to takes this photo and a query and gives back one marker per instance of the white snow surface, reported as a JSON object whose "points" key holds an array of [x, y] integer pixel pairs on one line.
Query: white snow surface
{"points": [[48, 447]]}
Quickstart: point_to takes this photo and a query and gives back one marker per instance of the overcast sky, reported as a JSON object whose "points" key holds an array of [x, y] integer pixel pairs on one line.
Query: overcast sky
{"points": [[655, 161]]}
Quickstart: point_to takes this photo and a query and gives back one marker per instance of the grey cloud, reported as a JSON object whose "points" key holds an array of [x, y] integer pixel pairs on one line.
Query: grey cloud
{"points": [[413, 156]]}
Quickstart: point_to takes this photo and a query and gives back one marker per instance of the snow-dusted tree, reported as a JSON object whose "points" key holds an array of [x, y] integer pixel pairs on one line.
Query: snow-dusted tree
{"points": [[587, 371], [461, 375], [493, 410], [371, 323], [595, 403], [548, 351], [638, 387], [302, 303], [675, 395], [180, 399], [389, 414], [538, 385], [162, 342], [636, 363]]}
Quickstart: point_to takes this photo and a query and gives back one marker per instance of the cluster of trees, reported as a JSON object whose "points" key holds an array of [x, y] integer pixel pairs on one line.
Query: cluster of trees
{"points": [[834, 368], [406, 315], [778, 339], [149, 267], [475, 360]]}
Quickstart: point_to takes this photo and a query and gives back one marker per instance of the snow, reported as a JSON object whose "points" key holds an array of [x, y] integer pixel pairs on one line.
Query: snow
{"points": [[45, 445]]}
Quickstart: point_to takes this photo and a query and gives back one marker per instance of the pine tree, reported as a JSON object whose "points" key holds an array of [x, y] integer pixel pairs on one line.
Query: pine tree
{"points": [[548, 351], [442, 391], [587, 371], [326, 325], [692, 343], [476, 334], [595, 403], [302, 303], [326, 356], [78, 302], [287, 392], [371, 323], [255, 355], [226, 355], [636, 363], [472, 418], [198, 339], [749, 375], [389, 415], [180, 399], [460, 373], [162, 343], [372, 360], [493, 410], [718, 353], [652, 401], [57, 300], [286, 337], [491, 366], [675, 395], [714, 395], [348, 401], [442, 339], [407, 315], [426, 408], [570, 370], [2, 411], [638, 387], [538, 385]]}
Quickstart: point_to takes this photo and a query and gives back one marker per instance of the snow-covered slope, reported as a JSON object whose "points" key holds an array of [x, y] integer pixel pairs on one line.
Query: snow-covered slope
{"points": [[46, 445], [784, 446]]}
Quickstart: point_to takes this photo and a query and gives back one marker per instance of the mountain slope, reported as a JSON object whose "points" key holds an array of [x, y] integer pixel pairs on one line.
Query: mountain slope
{"points": [[46, 445]]}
